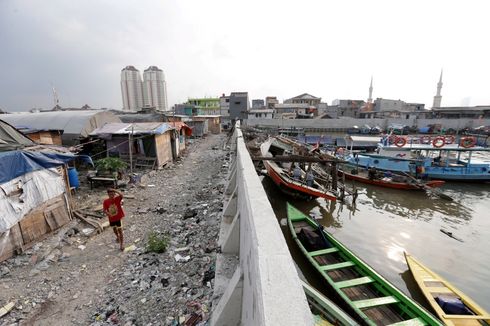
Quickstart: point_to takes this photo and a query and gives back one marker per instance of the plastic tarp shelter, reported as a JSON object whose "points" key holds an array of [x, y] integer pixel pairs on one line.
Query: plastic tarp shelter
{"points": [[75, 124], [11, 139], [16, 163]]}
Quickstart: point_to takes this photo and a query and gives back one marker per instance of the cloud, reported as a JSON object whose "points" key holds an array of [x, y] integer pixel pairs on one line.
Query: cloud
{"points": [[281, 48]]}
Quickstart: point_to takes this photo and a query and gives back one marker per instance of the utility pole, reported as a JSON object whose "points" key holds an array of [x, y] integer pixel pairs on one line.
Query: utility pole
{"points": [[130, 144]]}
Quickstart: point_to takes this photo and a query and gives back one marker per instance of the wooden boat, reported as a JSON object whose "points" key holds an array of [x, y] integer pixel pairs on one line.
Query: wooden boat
{"points": [[394, 181], [325, 312], [371, 299], [436, 289], [281, 177]]}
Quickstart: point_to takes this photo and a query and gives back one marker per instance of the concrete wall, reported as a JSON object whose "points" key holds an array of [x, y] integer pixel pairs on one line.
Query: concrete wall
{"points": [[265, 288], [345, 123]]}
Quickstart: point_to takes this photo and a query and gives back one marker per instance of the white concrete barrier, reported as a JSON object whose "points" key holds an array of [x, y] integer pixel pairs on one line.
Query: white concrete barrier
{"points": [[264, 288]]}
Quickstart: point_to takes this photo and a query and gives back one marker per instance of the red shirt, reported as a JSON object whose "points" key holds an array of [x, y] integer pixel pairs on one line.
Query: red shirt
{"points": [[113, 209]]}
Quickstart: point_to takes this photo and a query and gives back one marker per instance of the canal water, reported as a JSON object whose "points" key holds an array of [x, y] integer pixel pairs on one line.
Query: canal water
{"points": [[384, 223]]}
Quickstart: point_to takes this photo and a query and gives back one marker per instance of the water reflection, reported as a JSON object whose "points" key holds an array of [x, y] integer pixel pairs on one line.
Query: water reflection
{"points": [[417, 204]]}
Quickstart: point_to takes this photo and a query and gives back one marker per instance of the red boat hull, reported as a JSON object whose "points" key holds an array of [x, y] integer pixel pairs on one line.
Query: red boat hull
{"points": [[293, 186], [393, 185]]}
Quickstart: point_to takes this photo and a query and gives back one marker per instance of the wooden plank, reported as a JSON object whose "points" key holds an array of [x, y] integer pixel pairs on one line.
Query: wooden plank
{"points": [[410, 322], [474, 317], [33, 226], [323, 252], [5, 309], [439, 289], [369, 303], [332, 267], [88, 221], [354, 282]]}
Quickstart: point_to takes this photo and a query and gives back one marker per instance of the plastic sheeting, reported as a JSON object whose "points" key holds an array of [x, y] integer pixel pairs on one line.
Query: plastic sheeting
{"points": [[11, 139], [17, 163], [22, 194]]}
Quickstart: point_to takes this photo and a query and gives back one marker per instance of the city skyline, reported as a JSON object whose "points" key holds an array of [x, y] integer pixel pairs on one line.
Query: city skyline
{"points": [[282, 49]]}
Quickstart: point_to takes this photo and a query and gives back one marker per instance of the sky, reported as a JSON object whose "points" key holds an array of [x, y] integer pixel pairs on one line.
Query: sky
{"points": [[329, 49]]}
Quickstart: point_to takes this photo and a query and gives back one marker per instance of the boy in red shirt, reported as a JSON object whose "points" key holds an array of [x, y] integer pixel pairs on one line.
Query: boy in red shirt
{"points": [[115, 213]]}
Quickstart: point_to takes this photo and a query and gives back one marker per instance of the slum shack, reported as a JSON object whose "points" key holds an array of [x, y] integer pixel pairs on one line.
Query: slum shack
{"points": [[35, 193], [213, 122], [76, 125], [179, 137], [145, 144], [43, 137]]}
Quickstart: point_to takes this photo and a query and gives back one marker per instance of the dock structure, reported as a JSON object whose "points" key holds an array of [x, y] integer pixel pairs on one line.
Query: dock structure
{"points": [[256, 279]]}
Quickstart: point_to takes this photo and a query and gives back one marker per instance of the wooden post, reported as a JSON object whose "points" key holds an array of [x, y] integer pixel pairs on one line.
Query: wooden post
{"points": [[130, 140]]}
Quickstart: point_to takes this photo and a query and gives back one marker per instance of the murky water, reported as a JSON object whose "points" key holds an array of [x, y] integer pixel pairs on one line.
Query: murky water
{"points": [[385, 222]]}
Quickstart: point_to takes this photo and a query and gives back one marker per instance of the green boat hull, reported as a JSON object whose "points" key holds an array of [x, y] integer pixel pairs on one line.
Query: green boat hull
{"points": [[388, 300]]}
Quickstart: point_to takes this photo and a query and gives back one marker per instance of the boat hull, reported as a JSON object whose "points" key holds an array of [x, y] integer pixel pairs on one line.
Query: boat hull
{"points": [[393, 185], [468, 173], [293, 187], [369, 297], [433, 285]]}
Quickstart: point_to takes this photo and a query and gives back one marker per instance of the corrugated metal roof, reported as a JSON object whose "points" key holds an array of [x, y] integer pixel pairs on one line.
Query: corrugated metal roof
{"points": [[71, 122], [140, 128]]}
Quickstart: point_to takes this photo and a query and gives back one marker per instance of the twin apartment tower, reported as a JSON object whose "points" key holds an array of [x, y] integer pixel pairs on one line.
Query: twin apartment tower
{"points": [[151, 92]]}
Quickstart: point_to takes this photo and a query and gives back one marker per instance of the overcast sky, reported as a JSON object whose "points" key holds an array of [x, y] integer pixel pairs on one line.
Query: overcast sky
{"points": [[329, 49]]}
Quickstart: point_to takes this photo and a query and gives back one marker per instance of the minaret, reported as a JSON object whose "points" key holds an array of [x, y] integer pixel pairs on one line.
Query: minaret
{"points": [[438, 97], [370, 98]]}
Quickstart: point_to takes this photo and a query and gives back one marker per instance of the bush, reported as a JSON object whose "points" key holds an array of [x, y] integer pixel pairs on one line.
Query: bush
{"points": [[156, 242], [110, 164]]}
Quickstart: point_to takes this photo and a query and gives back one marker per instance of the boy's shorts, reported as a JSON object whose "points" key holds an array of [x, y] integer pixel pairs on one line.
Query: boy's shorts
{"points": [[116, 224]]}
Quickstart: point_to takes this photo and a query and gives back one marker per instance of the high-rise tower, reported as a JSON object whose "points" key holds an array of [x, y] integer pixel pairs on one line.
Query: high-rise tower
{"points": [[132, 89], [155, 88], [438, 97], [370, 98]]}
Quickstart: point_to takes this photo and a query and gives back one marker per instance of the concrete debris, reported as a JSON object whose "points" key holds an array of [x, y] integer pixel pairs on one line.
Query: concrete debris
{"points": [[80, 277]]}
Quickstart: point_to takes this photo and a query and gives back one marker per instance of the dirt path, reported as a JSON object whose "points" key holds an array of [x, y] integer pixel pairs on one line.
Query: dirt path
{"points": [[91, 282]]}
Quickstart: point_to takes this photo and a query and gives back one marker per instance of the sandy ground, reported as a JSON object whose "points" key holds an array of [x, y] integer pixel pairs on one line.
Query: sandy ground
{"points": [[72, 279]]}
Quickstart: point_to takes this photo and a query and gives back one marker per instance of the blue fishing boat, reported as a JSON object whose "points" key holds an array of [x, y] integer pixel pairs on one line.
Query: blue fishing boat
{"points": [[440, 157]]}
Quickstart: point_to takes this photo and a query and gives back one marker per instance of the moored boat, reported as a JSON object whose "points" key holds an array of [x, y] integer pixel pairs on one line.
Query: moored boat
{"points": [[442, 158], [452, 306], [388, 180], [325, 312], [296, 187], [371, 299]]}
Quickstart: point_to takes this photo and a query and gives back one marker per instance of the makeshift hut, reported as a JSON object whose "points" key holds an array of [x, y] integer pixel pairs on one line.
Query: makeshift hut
{"points": [[199, 127], [151, 142], [213, 122], [76, 125], [43, 137], [179, 138], [34, 196]]}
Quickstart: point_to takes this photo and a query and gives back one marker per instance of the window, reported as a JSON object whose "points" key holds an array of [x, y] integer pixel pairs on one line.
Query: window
{"points": [[237, 103]]}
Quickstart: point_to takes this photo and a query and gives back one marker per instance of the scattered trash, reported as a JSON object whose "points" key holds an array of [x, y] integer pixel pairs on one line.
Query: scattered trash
{"points": [[5, 309], [150, 186], [178, 257], [87, 231], [81, 247], [130, 248], [450, 234], [182, 249]]}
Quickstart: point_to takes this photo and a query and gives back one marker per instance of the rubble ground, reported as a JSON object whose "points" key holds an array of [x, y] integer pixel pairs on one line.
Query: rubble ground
{"points": [[77, 276]]}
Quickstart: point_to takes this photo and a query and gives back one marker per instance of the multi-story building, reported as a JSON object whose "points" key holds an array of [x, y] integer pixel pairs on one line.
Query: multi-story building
{"points": [[224, 104], [155, 89], [271, 101], [239, 105], [199, 106], [258, 104], [304, 98], [132, 89]]}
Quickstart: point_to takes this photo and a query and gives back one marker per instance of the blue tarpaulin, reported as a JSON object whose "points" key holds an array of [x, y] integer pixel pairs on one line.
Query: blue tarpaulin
{"points": [[17, 163]]}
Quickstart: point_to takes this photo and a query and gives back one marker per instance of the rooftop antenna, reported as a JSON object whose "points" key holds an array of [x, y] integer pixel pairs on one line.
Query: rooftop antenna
{"points": [[55, 96]]}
